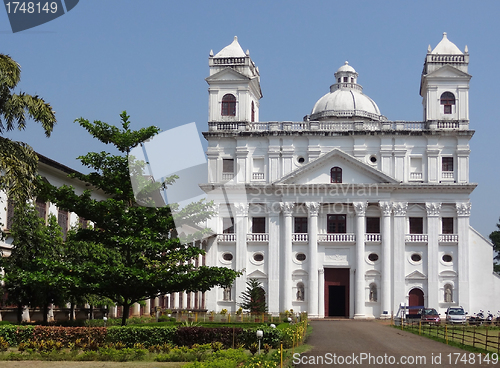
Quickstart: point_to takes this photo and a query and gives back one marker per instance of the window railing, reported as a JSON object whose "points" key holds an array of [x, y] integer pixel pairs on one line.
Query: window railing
{"points": [[447, 175], [448, 238], [415, 176], [346, 238], [258, 237], [257, 176], [300, 237], [372, 238], [416, 238], [221, 238], [227, 176]]}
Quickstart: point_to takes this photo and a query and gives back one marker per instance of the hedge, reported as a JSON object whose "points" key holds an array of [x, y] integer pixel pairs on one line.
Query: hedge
{"points": [[150, 335], [130, 335]]}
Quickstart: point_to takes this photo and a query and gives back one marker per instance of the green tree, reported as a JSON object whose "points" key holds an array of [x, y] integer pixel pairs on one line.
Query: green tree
{"points": [[132, 252], [254, 297], [18, 162], [35, 271], [495, 239]]}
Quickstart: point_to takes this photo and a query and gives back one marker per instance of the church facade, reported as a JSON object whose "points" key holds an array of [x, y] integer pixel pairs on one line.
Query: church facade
{"points": [[346, 213]]}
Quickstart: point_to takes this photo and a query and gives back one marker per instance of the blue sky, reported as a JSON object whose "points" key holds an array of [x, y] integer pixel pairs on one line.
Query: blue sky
{"points": [[151, 58]]}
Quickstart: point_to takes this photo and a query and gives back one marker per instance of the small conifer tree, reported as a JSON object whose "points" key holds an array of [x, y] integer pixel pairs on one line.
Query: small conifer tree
{"points": [[254, 297]]}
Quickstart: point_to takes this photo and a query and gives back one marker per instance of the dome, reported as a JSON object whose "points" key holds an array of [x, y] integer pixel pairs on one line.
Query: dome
{"points": [[232, 50], [446, 47], [346, 99], [346, 68]]}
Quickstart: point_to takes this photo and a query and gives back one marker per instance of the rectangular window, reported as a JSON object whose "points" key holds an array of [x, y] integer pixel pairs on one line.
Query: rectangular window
{"points": [[447, 109], [447, 164], [258, 225], [373, 225], [300, 225], [228, 166], [416, 225], [62, 220], [228, 225], [447, 225], [336, 224]]}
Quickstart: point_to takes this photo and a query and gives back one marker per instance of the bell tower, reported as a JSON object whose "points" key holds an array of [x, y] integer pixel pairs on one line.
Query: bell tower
{"points": [[234, 86], [444, 85]]}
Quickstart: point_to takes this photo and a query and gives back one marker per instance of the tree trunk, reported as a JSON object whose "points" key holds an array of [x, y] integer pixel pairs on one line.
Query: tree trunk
{"points": [[91, 312], [125, 314], [45, 312], [72, 311], [20, 309]]}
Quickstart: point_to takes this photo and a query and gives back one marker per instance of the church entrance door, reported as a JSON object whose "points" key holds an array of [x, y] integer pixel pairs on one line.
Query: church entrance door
{"points": [[336, 292], [416, 299]]}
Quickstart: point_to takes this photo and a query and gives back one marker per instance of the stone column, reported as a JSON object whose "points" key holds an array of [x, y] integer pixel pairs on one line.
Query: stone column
{"points": [[135, 310], [359, 301], [321, 294], [463, 214], [312, 229], [241, 223], [433, 212], [386, 209], [286, 255], [273, 272], [399, 209]]}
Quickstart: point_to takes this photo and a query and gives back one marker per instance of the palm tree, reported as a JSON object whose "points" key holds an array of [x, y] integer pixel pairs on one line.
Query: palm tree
{"points": [[18, 161]]}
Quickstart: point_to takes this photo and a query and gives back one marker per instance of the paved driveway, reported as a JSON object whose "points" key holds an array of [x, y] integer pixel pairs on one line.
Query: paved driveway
{"points": [[352, 343]]}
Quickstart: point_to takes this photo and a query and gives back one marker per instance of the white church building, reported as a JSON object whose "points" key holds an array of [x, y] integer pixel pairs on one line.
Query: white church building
{"points": [[346, 213]]}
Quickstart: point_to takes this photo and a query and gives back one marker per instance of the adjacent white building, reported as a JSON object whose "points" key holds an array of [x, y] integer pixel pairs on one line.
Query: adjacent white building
{"points": [[346, 213]]}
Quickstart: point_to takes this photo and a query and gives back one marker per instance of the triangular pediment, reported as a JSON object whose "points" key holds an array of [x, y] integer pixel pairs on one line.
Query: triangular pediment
{"points": [[228, 74], [257, 275], [448, 71], [353, 171], [416, 275]]}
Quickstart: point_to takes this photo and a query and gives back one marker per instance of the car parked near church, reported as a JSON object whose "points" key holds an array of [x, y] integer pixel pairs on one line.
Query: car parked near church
{"points": [[456, 315], [430, 315]]}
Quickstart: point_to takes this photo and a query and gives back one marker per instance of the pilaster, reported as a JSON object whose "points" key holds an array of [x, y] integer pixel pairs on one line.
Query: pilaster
{"points": [[321, 294], [399, 209], [359, 302], [314, 291], [241, 223], [463, 216], [433, 212], [286, 301], [273, 272], [386, 210]]}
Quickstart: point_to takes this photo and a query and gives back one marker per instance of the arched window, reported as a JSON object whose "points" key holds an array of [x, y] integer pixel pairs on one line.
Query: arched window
{"points": [[228, 105], [373, 292], [253, 112], [336, 175], [447, 99], [300, 291], [448, 293]]}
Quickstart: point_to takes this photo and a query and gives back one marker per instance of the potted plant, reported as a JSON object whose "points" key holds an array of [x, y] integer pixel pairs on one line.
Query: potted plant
{"points": [[223, 313], [239, 316], [211, 315]]}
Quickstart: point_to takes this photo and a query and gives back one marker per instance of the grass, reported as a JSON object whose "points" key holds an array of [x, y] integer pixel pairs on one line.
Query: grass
{"points": [[481, 339]]}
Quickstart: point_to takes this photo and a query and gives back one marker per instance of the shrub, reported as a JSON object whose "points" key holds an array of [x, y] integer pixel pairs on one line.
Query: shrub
{"points": [[130, 335]]}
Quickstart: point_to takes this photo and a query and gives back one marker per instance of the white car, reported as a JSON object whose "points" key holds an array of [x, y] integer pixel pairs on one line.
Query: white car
{"points": [[456, 315]]}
